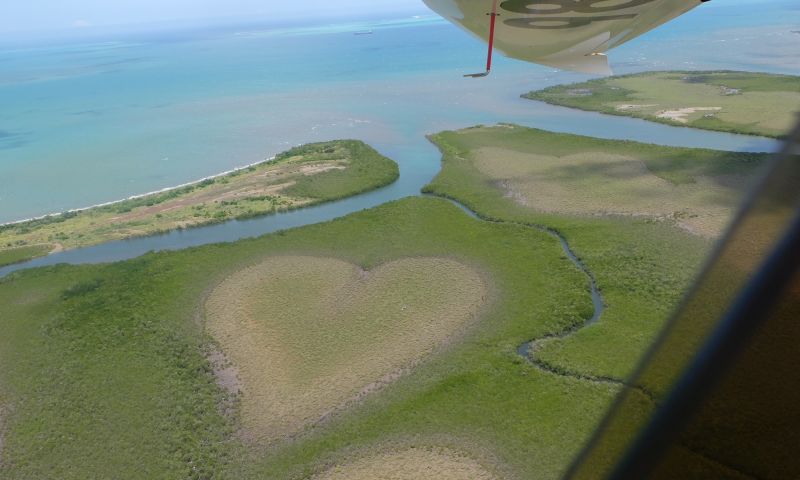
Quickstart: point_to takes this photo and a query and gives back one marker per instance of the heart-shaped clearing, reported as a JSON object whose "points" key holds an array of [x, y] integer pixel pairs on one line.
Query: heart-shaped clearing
{"points": [[308, 334]]}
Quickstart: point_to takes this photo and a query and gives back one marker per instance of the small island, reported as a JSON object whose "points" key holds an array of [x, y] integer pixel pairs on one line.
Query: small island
{"points": [[748, 103], [303, 176]]}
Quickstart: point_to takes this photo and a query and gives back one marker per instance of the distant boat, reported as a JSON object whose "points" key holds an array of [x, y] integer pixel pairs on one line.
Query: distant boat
{"points": [[365, 32]]}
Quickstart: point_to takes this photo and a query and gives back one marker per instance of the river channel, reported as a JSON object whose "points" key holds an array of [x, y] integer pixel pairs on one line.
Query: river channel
{"points": [[419, 162]]}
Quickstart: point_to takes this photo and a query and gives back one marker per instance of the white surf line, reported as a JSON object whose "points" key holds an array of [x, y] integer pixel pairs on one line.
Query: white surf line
{"points": [[142, 195]]}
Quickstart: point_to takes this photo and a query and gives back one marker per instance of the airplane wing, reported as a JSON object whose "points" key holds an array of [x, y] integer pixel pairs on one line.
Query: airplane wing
{"points": [[566, 34]]}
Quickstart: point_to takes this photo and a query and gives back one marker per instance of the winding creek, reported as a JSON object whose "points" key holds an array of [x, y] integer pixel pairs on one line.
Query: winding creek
{"points": [[528, 349]]}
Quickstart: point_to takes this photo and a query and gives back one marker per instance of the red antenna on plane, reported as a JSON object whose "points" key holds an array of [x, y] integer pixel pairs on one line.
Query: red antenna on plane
{"points": [[493, 20]]}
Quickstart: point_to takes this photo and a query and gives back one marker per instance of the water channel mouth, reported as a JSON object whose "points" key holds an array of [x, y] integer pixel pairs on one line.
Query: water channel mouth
{"points": [[419, 162]]}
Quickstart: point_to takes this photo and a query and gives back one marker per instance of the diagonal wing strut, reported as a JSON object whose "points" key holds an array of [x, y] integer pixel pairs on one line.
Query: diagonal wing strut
{"points": [[493, 15]]}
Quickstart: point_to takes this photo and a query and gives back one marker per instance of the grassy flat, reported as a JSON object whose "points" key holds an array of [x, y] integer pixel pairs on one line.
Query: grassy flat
{"points": [[598, 183], [328, 331], [9, 256], [106, 370], [643, 263], [696, 190], [300, 177], [737, 102]]}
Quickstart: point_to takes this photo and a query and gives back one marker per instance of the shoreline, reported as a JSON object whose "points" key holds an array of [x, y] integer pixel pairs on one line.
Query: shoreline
{"points": [[730, 128], [66, 232], [141, 195]]}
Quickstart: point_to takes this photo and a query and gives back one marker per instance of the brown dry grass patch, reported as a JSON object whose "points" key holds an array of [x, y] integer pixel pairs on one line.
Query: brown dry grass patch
{"points": [[411, 464], [308, 334], [595, 183]]}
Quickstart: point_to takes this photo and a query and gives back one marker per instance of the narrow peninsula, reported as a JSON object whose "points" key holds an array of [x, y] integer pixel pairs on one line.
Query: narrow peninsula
{"points": [[303, 176]]}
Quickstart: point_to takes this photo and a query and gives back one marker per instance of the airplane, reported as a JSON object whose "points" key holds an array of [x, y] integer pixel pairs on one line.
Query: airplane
{"points": [[719, 390], [566, 34], [723, 376]]}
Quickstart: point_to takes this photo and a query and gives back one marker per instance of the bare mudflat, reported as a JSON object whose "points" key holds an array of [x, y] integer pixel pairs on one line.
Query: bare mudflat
{"points": [[412, 464], [600, 183], [308, 335]]}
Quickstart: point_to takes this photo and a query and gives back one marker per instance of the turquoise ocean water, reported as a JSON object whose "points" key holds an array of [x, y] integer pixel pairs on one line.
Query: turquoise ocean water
{"points": [[88, 122]]}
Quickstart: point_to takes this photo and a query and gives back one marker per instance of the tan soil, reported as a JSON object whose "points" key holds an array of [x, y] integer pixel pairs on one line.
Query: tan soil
{"points": [[625, 108], [412, 464], [680, 114], [315, 169], [246, 185], [215, 195], [225, 373]]}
